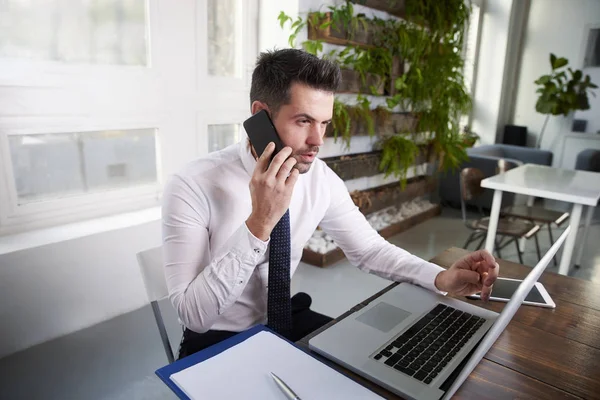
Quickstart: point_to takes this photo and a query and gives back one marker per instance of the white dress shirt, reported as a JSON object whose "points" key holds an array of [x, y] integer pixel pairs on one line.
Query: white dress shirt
{"points": [[216, 270]]}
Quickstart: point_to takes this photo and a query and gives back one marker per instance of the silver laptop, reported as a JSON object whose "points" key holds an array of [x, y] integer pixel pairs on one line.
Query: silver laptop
{"points": [[417, 343]]}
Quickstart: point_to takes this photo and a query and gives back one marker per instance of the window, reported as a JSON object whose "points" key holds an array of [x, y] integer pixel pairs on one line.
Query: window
{"points": [[78, 125], [592, 48], [224, 74], [99, 106], [57, 165], [222, 135], [471, 52], [224, 38], [95, 32]]}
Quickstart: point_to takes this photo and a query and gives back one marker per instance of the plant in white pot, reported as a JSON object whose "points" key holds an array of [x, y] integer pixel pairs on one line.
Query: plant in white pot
{"points": [[560, 94]]}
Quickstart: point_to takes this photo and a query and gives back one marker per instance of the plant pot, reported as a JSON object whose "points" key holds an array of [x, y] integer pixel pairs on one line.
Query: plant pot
{"points": [[363, 164], [396, 72], [394, 7], [469, 141], [360, 36], [385, 124], [356, 165], [372, 200], [404, 122], [352, 82]]}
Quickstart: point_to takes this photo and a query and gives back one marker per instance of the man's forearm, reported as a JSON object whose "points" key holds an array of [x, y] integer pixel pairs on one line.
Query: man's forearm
{"points": [[200, 298]]}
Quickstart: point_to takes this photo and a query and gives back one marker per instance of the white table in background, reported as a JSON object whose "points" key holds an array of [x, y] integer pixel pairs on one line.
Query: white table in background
{"points": [[581, 188]]}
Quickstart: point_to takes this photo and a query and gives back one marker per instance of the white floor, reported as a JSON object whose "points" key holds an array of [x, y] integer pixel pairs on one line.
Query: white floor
{"points": [[117, 359]]}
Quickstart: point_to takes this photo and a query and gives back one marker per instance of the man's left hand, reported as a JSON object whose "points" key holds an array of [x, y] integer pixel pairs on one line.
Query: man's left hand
{"points": [[475, 272]]}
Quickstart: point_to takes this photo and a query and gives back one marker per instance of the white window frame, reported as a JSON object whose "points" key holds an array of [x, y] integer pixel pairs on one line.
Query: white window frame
{"points": [[229, 102], [219, 119], [17, 217], [587, 30], [481, 5], [139, 94], [35, 83]]}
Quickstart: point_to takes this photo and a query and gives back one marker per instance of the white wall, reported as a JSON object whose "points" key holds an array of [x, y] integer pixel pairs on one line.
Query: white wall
{"points": [[63, 287], [270, 33], [490, 71], [554, 26]]}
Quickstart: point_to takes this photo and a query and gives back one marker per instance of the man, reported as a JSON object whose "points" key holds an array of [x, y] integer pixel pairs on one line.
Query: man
{"points": [[225, 216]]}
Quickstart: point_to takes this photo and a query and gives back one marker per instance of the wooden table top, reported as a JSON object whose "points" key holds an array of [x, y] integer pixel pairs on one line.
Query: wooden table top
{"points": [[543, 354]]}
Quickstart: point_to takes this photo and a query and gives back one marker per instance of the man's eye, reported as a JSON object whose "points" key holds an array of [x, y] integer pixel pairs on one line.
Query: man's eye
{"points": [[304, 121]]}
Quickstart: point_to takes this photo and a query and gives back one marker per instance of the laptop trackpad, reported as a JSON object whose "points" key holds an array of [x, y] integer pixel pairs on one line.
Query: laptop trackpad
{"points": [[383, 317]]}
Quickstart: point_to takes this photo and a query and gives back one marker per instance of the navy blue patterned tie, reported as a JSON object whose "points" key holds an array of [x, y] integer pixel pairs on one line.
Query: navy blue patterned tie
{"points": [[279, 306]]}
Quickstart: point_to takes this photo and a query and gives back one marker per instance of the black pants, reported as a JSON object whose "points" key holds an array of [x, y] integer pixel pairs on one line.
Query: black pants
{"points": [[304, 321]]}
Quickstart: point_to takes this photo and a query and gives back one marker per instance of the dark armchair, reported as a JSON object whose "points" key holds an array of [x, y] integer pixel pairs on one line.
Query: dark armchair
{"points": [[486, 158]]}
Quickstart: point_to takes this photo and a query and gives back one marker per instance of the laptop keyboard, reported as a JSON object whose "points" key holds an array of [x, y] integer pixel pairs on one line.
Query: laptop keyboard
{"points": [[431, 343]]}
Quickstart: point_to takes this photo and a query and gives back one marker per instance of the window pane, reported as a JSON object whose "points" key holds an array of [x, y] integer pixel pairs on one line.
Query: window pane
{"points": [[224, 38], [592, 52], [75, 31], [62, 164], [471, 46], [470, 56], [221, 136]]}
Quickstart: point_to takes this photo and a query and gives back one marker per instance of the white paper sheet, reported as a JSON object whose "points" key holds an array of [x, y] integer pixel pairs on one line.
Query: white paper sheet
{"points": [[243, 372]]}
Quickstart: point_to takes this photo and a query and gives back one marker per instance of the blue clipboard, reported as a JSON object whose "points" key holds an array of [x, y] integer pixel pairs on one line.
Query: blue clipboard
{"points": [[165, 373]]}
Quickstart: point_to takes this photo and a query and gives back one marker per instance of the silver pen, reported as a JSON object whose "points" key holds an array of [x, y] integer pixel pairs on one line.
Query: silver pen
{"points": [[289, 393]]}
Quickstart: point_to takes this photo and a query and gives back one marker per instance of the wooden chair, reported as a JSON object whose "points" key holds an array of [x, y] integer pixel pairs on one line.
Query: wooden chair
{"points": [[509, 229]]}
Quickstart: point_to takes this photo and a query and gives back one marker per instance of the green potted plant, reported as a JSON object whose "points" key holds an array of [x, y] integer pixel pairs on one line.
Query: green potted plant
{"points": [[469, 137], [560, 94], [417, 58]]}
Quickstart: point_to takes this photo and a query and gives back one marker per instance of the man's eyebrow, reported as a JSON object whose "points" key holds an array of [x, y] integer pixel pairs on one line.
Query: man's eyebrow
{"points": [[308, 117]]}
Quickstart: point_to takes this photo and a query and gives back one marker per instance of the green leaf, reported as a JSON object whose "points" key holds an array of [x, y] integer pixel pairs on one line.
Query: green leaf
{"points": [[542, 80], [560, 75], [283, 18], [559, 63], [543, 107], [577, 75], [592, 85], [552, 60]]}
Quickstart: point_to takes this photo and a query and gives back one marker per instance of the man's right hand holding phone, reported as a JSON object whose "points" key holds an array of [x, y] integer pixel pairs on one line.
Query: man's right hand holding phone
{"points": [[271, 190]]}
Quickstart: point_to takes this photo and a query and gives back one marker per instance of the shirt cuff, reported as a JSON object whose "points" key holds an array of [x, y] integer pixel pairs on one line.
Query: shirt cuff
{"points": [[430, 272], [258, 246]]}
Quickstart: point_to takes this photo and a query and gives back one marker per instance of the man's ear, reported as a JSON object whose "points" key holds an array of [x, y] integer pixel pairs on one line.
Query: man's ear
{"points": [[258, 106]]}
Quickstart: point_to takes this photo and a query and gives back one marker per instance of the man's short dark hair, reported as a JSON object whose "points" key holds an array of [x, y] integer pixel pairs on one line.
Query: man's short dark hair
{"points": [[277, 70]]}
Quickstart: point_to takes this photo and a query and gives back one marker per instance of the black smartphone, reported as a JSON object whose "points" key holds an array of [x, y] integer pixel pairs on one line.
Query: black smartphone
{"points": [[261, 132]]}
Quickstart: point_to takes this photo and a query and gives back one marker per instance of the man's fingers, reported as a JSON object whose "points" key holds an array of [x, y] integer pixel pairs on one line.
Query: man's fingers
{"points": [[486, 291], [482, 256], [285, 169], [263, 159], [466, 276], [492, 275], [278, 161], [291, 180]]}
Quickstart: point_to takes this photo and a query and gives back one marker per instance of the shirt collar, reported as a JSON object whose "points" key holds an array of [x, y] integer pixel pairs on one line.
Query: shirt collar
{"points": [[246, 156]]}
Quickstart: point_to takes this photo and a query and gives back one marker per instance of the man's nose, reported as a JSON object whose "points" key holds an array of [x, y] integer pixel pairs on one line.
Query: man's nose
{"points": [[317, 133]]}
